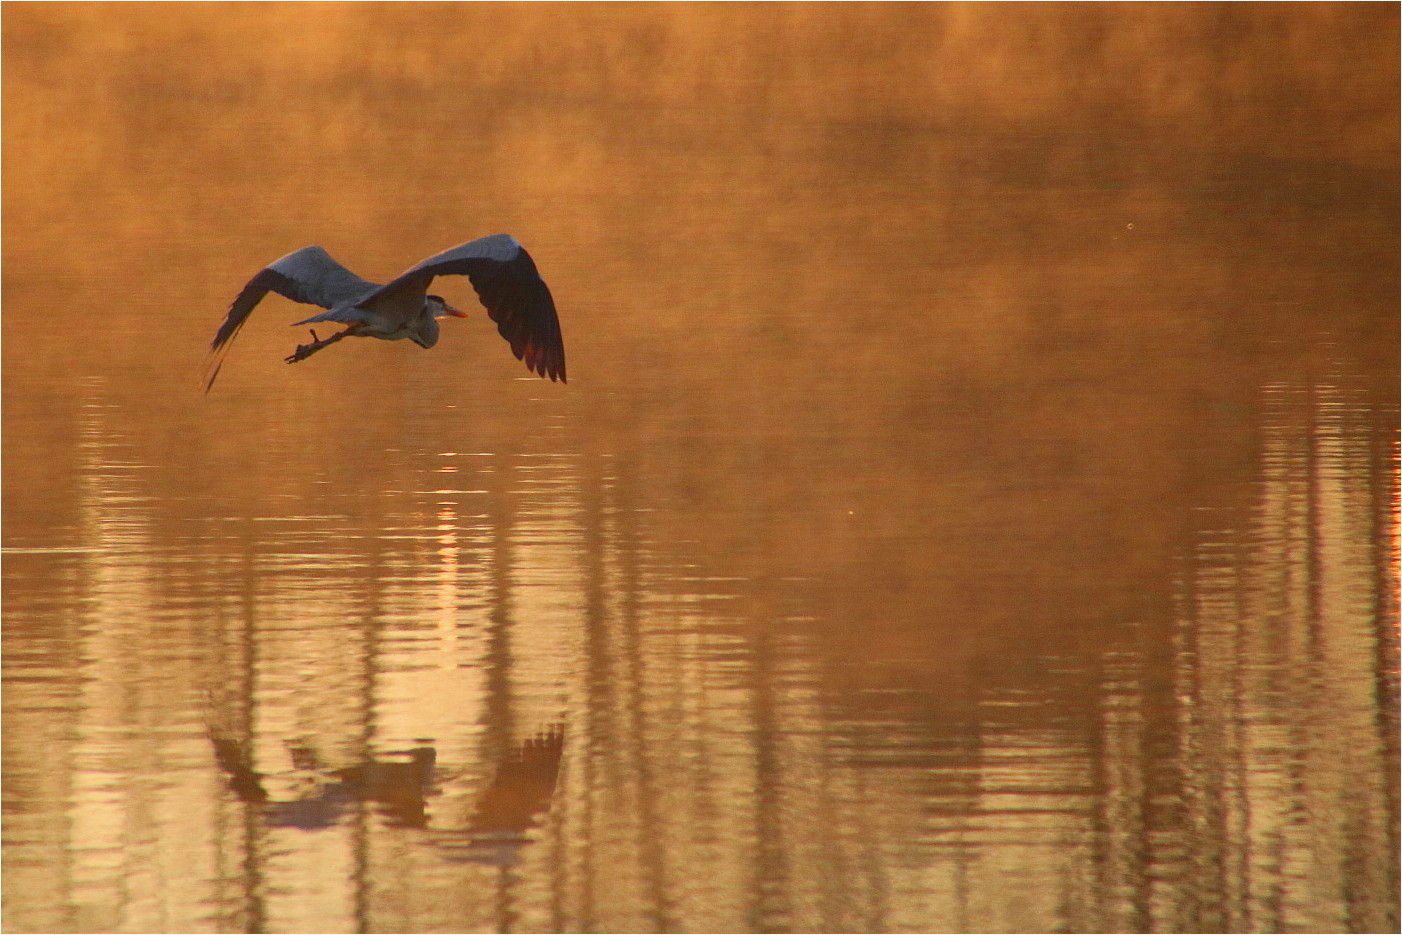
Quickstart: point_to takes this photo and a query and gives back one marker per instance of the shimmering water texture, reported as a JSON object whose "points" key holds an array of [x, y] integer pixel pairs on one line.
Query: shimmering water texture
{"points": [[974, 505]]}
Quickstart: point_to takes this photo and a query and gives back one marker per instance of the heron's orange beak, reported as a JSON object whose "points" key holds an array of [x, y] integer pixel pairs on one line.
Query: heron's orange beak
{"points": [[455, 312]]}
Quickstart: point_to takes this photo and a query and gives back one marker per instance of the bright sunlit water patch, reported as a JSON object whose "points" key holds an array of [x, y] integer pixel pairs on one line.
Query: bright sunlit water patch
{"points": [[974, 506]]}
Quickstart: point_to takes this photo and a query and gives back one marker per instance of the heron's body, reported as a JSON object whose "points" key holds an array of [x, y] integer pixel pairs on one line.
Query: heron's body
{"points": [[501, 271], [393, 317]]}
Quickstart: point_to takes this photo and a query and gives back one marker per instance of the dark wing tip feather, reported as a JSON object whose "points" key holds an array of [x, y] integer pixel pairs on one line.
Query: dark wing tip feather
{"points": [[249, 296], [267, 280], [520, 303]]}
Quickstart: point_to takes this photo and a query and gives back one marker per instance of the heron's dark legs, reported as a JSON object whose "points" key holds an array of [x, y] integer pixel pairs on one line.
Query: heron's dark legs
{"points": [[306, 350]]}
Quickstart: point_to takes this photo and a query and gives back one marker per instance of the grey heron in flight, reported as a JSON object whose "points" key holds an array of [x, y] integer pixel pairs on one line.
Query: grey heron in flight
{"points": [[499, 268]]}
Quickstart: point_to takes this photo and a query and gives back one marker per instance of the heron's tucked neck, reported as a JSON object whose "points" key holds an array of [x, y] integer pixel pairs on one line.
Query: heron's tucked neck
{"points": [[425, 328]]}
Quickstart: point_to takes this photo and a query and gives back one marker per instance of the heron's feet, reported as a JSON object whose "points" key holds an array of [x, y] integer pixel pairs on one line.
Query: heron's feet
{"points": [[304, 351]]}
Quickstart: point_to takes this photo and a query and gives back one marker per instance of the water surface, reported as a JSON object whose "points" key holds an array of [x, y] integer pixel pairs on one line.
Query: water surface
{"points": [[974, 506]]}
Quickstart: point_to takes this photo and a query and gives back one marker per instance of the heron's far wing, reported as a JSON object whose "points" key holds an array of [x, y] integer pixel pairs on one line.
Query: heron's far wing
{"points": [[513, 293], [308, 275]]}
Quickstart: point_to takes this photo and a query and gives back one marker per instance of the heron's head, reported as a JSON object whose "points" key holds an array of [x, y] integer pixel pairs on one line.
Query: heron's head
{"points": [[436, 307]]}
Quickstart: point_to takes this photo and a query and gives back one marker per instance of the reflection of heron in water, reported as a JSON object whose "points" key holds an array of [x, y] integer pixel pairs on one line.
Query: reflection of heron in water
{"points": [[520, 791], [499, 268], [400, 785]]}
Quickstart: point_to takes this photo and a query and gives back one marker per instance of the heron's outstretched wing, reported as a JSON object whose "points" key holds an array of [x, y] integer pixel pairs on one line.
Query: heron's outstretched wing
{"points": [[515, 297], [308, 275]]}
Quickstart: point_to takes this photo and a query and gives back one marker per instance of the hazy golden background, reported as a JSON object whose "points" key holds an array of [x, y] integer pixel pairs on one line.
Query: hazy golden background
{"points": [[973, 505]]}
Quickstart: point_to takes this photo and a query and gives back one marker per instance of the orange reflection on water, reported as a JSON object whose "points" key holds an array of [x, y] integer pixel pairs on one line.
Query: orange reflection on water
{"points": [[974, 505]]}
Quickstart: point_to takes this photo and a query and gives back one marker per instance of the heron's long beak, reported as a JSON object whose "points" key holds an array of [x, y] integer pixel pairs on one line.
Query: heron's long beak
{"points": [[455, 312]]}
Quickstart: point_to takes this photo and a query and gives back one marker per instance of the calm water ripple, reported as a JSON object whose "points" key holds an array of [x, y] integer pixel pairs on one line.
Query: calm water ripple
{"points": [[974, 506]]}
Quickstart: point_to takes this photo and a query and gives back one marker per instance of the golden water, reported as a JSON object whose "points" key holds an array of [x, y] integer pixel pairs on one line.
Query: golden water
{"points": [[973, 506]]}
